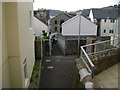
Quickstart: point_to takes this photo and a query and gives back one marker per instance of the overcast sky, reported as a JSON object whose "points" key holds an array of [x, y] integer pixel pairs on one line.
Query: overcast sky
{"points": [[72, 5]]}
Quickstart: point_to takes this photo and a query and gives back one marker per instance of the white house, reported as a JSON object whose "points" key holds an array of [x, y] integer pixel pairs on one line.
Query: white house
{"points": [[79, 22], [17, 44], [39, 27], [106, 19]]}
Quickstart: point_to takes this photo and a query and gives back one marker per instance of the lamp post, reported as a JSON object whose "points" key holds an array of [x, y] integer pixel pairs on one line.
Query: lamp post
{"points": [[79, 14]]}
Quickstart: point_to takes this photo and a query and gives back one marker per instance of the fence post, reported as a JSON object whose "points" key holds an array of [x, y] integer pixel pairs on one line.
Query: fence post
{"points": [[41, 49]]}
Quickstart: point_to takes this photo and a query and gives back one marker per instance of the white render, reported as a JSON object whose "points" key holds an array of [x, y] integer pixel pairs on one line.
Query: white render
{"points": [[71, 27], [108, 26], [105, 25], [91, 16], [39, 27]]}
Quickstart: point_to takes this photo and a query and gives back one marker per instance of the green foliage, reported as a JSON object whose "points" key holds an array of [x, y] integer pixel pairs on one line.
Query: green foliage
{"points": [[35, 70], [114, 6], [45, 35], [72, 12]]}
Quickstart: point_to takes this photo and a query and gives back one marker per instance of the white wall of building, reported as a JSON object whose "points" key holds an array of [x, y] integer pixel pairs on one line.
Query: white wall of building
{"points": [[108, 26], [61, 43], [17, 44], [39, 27], [71, 27], [91, 16]]}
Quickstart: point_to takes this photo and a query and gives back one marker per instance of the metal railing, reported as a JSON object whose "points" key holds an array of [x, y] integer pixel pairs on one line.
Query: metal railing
{"points": [[94, 48]]}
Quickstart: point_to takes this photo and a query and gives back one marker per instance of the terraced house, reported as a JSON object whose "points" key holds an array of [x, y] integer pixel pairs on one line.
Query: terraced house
{"points": [[106, 19], [17, 39]]}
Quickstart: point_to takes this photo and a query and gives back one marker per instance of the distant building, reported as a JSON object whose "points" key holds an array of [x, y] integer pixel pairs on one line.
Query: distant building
{"points": [[40, 14], [46, 14], [56, 22], [106, 19], [71, 29]]}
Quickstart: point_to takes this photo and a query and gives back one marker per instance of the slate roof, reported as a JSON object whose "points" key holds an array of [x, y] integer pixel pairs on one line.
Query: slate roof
{"points": [[86, 12], [52, 13], [43, 21], [112, 13], [61, 14]]}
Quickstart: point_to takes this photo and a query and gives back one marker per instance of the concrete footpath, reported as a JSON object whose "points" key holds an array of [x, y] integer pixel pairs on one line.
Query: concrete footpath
{"points": [[57, 72]]}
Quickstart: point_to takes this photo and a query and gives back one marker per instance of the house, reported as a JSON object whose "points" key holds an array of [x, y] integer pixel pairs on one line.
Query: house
{"points": [[40, 14], [40, 26], [46, 14], [17, 39], [68, 43], [73, 25], [56, 22], [105, 18]]}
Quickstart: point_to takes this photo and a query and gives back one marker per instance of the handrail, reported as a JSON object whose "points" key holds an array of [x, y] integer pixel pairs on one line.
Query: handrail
{"points": [[87, 57], [98, 43], [90, 66]]}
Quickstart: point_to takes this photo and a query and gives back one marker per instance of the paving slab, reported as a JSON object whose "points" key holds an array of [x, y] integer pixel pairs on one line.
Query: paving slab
{"points": [[109, 77]]}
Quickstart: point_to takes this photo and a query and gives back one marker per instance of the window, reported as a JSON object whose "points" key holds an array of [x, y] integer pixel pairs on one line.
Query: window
{"points": [[111, 31], [104, 30], [60, 29], [30, 20], [55, 28], [55, 21], [112, 21], [61, 21], [104, 20]]}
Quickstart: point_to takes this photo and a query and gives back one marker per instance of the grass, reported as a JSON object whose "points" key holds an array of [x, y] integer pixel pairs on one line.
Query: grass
{"points": [[35, 70]]}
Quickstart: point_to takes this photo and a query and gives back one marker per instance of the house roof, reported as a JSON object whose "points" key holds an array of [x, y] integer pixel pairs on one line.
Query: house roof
{"points": [[64, 14], [52, 13], [86, 12], [76, 17], [104, 13], [41, 20]]}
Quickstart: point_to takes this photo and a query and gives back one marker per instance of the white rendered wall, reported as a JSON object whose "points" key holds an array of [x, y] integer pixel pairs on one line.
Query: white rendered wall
{"points": [[71, 27], [39, 27], [108, 26], [91, 16]]}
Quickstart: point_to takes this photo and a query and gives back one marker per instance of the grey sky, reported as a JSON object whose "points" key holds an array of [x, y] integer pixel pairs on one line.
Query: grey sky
{"points": [[71, 5]]}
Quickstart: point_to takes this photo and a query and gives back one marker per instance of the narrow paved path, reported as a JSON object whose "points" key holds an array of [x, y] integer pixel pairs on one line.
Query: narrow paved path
{"points": [[57, 72]]}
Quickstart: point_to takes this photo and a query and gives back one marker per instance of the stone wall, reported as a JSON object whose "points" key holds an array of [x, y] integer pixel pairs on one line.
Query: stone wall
{"points": [[72, 46], [37, 50], [105, 60]]}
